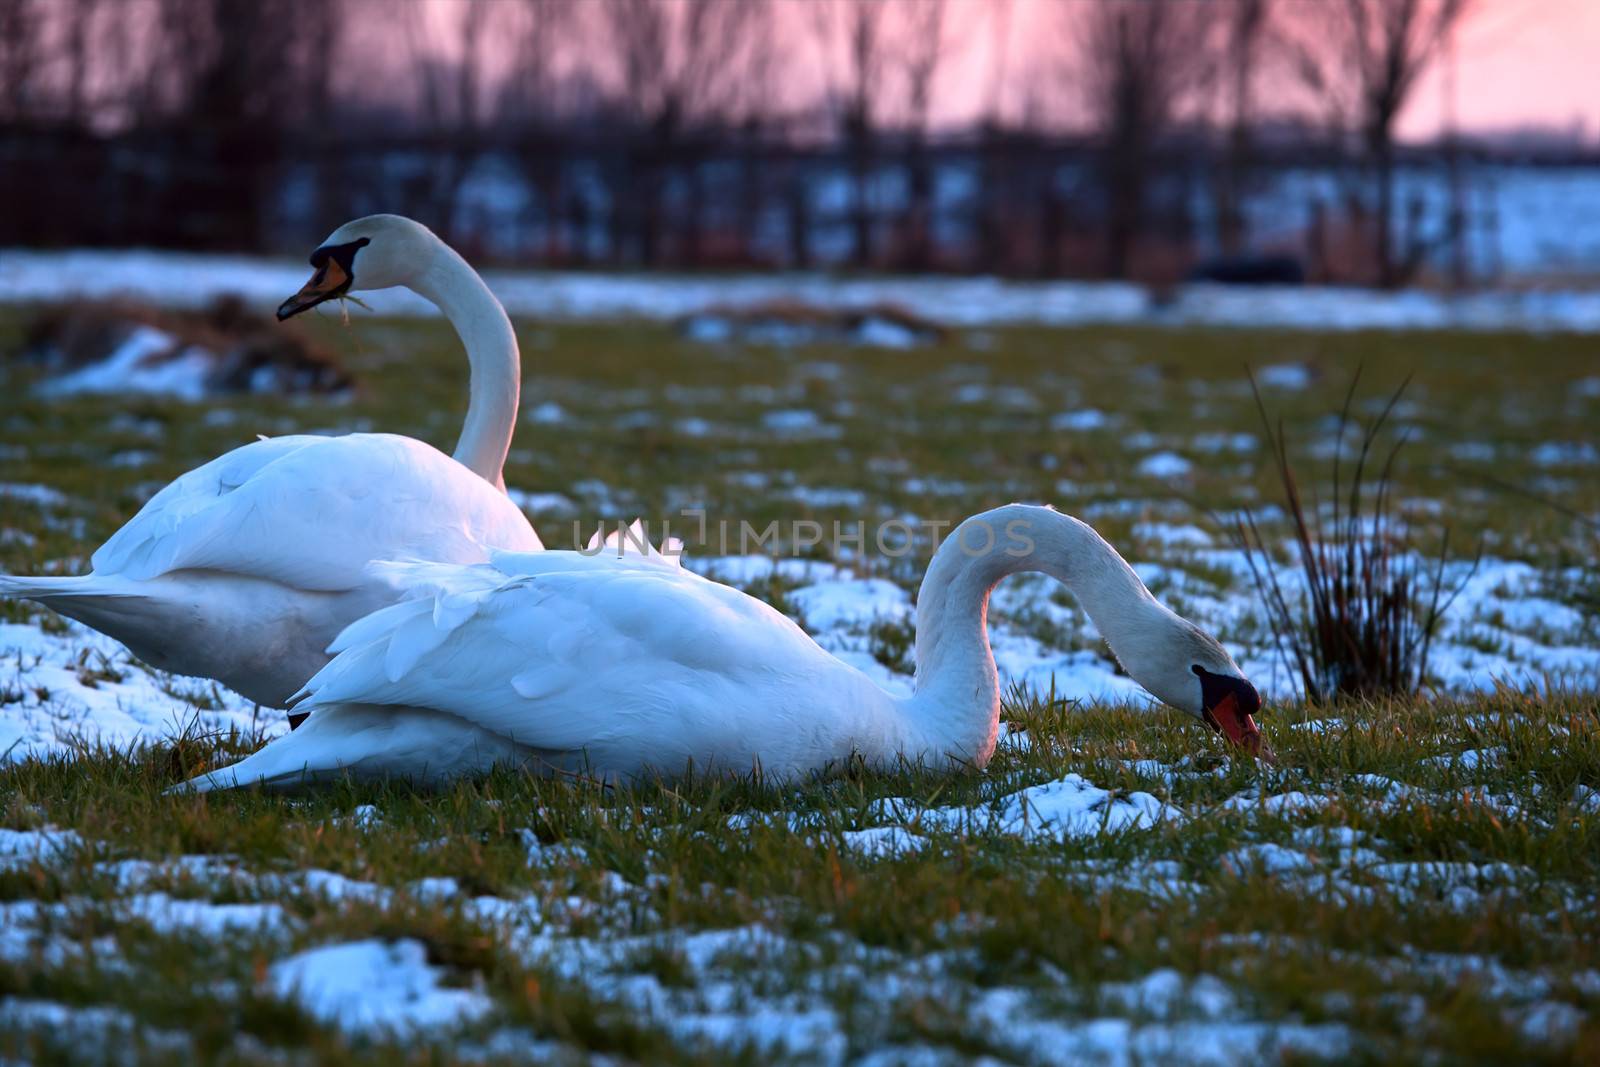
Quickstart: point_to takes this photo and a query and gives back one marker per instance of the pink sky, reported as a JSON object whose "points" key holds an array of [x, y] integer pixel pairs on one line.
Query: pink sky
{"points": [[1521, 63]]}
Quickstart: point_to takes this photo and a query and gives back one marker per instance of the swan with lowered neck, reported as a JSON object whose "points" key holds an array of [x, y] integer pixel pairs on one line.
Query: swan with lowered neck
{"points": [[632, 666], [245, 569]]}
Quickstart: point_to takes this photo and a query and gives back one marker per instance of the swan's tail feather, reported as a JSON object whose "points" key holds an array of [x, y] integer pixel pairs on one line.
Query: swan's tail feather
{"points": [[28, 587], [105, 602], [367, 741], [302, 756], [240, 775]]}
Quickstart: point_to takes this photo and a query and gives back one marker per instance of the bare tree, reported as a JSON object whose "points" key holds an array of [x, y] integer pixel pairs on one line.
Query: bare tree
{"points": [[1135, 61], [1364, 57], [229, 81], [454, 98], [994, 175], [22, 58], [853, 39], [683, 67], [532, 110], [923, 47], [1246, 34]]}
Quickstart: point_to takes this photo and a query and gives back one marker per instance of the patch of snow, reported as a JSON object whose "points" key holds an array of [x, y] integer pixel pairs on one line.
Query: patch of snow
{"points": [[542, 503], [1185, 535], [1164, 993], [38, 495], [1319, 726], [1070, 807], [883, 841], [1470, 760], [855, 604], [1265, 857], [1284, 376], [1084, 675], [82, 685], [88, 1033], [798, 422], [374, 986], [336, 888], [169, 914], [934, 487], [194, 280], [826, 497], [19, 848], [1549, 1022], [1294, 802], [876, 332], [141, 364], [1586, 799], [1081, 421], [1164, 465], [549, 413], [1225, 442], [751, 570], [134, 457], [434, 889], [1013, 737], [1565, 454], [1111, 1041]]}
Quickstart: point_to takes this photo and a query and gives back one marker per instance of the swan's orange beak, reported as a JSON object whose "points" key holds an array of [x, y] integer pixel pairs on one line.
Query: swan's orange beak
{"points": [[330, 280], [1234, 723]]}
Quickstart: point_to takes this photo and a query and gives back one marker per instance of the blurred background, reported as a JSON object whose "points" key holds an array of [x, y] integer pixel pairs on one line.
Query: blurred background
{"points": [[1445, 143]]}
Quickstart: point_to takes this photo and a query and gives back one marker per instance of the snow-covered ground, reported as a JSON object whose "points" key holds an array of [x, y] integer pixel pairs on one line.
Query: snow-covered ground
{"points": [[191, 280], [717, 999]]}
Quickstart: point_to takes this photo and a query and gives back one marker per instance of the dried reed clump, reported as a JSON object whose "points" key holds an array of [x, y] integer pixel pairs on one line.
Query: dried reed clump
{"points": [[1357, 614]]}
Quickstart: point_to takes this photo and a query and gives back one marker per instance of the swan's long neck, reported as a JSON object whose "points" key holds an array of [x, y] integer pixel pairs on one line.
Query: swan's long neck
{"points": [[496, 365], [956, 705]]}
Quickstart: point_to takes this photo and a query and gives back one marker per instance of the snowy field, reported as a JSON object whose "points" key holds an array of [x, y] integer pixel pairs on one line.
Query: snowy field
{"points": [[190, 280], [1412, 881]]}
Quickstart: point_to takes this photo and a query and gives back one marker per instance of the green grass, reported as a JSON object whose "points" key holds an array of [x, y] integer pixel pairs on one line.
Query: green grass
{"points": [[974, 913], [1006, 912]]}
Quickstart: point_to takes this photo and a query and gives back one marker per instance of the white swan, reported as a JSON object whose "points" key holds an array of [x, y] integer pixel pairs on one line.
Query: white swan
{"points": [[629, 667], [245, 569]]}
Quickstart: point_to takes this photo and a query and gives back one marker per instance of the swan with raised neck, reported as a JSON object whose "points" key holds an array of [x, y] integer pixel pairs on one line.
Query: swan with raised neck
{"points": [[245, 568], [384, 251]]}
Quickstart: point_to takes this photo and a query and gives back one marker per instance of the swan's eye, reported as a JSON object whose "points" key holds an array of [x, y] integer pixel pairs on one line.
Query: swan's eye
{"points": [[1199, 671]]}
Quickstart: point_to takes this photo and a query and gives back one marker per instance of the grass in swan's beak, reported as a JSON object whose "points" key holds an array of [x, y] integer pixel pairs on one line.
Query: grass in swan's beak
{"points": [[1414, 880]]}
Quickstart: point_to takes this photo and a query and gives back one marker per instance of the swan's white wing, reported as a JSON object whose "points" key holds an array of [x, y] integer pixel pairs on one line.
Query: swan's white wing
{"points": [[157, 530], [630, 663], [311, 512]]}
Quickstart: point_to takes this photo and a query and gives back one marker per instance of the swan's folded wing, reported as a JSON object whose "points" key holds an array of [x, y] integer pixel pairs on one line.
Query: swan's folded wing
{"points": [[311, 512], [569, 658], [181, 516]]}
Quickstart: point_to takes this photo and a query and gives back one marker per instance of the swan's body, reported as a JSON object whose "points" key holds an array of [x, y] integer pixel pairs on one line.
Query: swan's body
{"points": [[245, 569], [625, 667]]}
